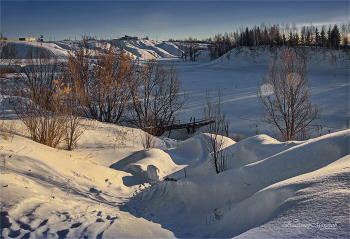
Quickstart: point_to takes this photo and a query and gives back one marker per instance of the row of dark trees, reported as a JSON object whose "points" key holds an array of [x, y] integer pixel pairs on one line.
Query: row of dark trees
{"points": [[276, 35]]}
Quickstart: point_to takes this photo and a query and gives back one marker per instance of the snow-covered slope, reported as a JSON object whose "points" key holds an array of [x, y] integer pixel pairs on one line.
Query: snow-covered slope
{"points": [[47, 192], [58, 50], [142, 49], [147, 50]]}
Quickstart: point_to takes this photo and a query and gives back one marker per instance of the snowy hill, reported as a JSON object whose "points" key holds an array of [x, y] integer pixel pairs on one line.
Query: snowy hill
{"points": [[142, 49], [58, 50]]}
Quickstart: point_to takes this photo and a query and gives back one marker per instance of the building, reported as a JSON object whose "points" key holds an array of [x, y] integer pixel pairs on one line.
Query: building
{"points": [[27, 39], [126, 37]]}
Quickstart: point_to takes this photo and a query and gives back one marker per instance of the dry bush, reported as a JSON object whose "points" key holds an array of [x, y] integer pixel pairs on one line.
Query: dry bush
{"points": [[45, 126], [58, 123], [67, 100], [120, 137], [147, 138], [215, 140], [7, 128]]}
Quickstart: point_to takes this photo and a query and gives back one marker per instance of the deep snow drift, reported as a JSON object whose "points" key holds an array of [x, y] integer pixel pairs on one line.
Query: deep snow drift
{"points": [[304, 181]]}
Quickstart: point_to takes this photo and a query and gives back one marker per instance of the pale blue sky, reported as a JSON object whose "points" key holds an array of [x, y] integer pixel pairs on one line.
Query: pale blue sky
{"points": [[158, 19]]}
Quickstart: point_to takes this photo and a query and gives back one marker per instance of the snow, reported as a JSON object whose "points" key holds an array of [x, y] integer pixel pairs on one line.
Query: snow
{"points": [[257, 193], [111, 187], [53, 48]]}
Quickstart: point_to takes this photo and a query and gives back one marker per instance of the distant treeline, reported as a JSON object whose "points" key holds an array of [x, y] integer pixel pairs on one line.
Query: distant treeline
{"points": [[277, 35]]}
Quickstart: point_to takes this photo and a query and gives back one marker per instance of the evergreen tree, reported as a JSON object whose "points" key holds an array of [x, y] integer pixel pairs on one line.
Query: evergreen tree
{"points": [[296, 39], [308, 38], [323, 37], [346, 42], [291, 39], [277, 38], [317, 37], [335, 37], [329, 40], [266, 37]]}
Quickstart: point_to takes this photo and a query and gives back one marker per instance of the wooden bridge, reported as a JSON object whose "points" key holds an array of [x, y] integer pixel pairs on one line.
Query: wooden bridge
{"points": [[191, 126]]}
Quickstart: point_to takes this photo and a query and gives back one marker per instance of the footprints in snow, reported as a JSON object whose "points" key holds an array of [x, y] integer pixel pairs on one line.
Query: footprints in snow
{"points": [[26, 227]]}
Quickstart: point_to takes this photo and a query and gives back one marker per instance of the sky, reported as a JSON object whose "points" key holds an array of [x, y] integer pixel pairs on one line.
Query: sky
{"points": [[161, 20]]}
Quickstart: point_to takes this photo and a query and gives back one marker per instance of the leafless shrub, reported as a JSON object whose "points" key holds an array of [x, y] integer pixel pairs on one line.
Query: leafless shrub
{"points": [[120, 137], [50, 126], [215, 216], [147, 138], [285, 96], [7, 129], [68, 105], [45, 126], [215, 140]]}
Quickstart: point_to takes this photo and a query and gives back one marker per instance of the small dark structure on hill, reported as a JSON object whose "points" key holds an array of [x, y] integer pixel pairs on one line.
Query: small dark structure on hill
{"points": [[27, 39], [126, 37]]}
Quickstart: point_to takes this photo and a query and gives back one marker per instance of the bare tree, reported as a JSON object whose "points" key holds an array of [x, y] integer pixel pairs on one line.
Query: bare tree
{"points": [[158, 98], [194, 51], [189, 48], [285, 96], [215, 139], [184, 51]]}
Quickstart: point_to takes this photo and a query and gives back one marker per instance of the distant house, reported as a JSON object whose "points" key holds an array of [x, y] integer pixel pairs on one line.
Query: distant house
{"points": [[27, 39], [126, 37]]}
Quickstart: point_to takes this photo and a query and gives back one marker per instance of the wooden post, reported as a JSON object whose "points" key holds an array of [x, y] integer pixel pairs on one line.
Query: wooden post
{"points": [[194, 123], [172, 123]]}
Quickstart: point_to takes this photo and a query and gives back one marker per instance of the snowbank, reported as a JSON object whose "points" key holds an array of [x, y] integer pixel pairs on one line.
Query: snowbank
{"points": [[242, 198], [152, 164]]}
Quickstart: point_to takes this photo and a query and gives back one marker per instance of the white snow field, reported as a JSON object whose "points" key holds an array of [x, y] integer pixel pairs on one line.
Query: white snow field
{"points": [[110, 187]]}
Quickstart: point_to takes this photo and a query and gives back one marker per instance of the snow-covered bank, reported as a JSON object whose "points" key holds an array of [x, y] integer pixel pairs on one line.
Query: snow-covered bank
{"points": [[47, 192]]}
